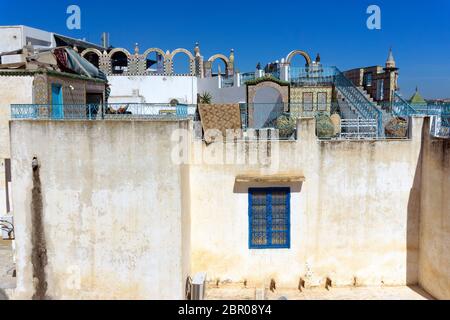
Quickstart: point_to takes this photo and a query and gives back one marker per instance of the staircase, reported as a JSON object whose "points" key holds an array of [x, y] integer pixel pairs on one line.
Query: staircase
{"points": [[355, 103], [386, 116]]}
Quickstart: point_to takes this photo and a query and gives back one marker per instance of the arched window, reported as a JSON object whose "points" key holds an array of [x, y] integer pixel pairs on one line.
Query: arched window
{"points": [[119, 62]]}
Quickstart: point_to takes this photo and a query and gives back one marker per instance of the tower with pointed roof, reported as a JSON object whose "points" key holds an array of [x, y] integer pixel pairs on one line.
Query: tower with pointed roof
{"points": [[416, 99], [391, 71], [390, 62]]}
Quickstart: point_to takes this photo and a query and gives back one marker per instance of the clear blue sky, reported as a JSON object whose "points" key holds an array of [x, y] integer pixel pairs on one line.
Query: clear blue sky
{"points": [[264, 31]]}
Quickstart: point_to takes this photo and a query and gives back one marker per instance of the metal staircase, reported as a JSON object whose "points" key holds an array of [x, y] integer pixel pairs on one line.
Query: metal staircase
{"points": [[355, 104]]}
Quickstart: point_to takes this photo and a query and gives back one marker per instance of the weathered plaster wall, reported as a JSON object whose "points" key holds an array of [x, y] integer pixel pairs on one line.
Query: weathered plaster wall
{"points": [[349, 219], [13, 90], [153, 89], [117, 211], [114, 213], [434, 253]]}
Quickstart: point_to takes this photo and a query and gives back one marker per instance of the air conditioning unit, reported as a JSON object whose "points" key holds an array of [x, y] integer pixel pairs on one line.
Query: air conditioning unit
{"points": [[198, 286]]}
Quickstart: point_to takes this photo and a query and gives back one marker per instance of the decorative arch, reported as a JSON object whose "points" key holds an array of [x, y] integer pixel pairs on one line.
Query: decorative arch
{"points": [[188, 53], [123, 50], [111, 64], [181, 50], [219, 56], [157, 50], [91, 50], [298, 52], [265, 111], [282, 88], [143, 59]]}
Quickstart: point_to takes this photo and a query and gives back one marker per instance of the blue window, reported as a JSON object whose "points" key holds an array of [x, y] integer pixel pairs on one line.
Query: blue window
{"points": [[269, 218]]}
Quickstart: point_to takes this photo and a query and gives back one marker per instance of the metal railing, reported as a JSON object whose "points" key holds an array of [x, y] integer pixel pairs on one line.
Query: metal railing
{"points": [[358, 100], [264, 118], [247, 77], [359, 129], [440, 127], [319, 75], [99, 112], [314, 75]]}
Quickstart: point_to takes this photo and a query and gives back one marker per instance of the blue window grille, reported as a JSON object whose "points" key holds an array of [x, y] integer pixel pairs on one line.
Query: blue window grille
{"points": [[269, 218]]}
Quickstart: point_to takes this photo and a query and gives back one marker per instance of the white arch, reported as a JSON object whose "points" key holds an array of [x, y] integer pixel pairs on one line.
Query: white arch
{"points": [[113, 51], [91, 50], [157, 50], [181, 50], [298, 52]]}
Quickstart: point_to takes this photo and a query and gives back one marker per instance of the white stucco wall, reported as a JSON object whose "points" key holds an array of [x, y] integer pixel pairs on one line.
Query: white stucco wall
{"points": [[153, 89], [434, 177], [115, 216], [222, 95], [133, 224], [13, 90], [349, 218]]}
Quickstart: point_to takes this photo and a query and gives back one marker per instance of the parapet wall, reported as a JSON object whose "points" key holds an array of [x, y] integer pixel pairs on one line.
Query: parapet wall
{"points": [[104, 216], [349, 218], [122, 219], [434, 244]]}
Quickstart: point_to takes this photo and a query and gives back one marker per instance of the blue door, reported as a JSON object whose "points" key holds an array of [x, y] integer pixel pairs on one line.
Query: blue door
{"points": [[57, 102], [182, 110]]}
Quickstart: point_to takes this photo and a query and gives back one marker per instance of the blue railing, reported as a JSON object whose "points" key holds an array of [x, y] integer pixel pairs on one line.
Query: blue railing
{"points": [[99, 112], [275, 74], [400, 107], [247, 77], [440, 126], [314, 75], [319, 75], [358, 100]]}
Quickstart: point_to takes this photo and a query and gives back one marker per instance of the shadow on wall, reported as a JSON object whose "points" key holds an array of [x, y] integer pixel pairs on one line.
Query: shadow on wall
{"points": [[428, 232], [413, 218], [3, 295]]}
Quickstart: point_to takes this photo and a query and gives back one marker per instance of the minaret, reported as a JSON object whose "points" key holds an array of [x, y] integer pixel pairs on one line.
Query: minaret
{"points": [[199, 68], [390, 62], [230, 67], [391, 72]]}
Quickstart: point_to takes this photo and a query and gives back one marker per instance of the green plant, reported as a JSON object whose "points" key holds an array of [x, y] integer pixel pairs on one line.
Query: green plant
{"points": [[205, 98], [266, 78], [324, 126], [286, 125]]}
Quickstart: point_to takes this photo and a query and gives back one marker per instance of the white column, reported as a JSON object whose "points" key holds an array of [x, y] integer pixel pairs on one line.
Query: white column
{"points": [[219, 79], [237, 79], [284, 72], [259, 73]]}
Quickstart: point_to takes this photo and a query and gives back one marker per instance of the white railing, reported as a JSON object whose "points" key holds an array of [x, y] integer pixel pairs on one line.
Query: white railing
{"points": [[359, 129]]}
